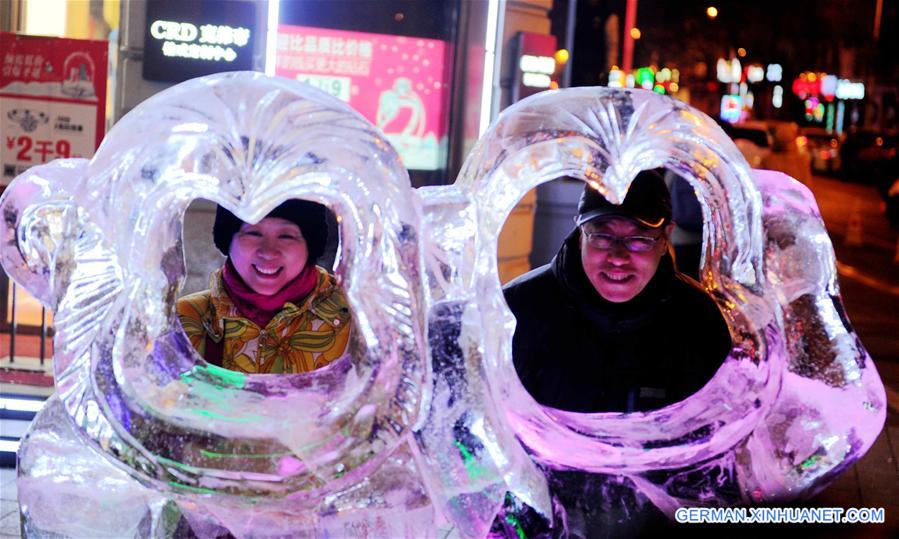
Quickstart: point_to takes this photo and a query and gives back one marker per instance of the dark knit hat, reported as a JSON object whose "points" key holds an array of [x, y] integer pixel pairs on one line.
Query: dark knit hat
{"points": [[648, 202], [309, 216]]}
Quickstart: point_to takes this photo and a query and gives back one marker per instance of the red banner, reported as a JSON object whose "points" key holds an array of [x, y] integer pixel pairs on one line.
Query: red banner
{"points": [[52, 100]]}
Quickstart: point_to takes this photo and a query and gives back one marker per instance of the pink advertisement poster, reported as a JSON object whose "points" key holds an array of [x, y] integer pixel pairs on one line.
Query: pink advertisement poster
{"points": [[401, 84]]}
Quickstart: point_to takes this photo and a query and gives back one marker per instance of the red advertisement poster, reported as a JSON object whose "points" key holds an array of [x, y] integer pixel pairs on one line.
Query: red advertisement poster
{"points": [[52, 100], [401, 84]]}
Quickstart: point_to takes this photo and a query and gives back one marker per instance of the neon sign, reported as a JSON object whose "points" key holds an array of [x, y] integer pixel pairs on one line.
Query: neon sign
{"points": [[731, 108], [755, 73], [536, 64], [828, 87], [777, 98], [847, 89], [214, 41], [536, 71], [192, 38], [807, 85], [729, 71]]}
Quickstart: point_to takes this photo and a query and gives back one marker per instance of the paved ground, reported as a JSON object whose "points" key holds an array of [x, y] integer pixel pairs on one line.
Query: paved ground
{"points": [[869, 281], [9, 509]]}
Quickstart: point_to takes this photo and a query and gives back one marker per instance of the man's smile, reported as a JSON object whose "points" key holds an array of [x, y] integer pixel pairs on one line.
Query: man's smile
{"points": [[617, 276]]}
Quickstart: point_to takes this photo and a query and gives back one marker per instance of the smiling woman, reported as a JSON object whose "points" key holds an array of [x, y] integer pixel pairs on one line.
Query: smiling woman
{"points": [[269, 308]]}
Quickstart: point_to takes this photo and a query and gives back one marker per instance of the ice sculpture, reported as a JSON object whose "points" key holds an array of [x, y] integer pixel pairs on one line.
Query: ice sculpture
{"points": [[416, 434], [797, 401]]}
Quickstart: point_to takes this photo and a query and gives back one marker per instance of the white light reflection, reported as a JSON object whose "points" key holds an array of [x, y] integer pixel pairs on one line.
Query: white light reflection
{"points": [[271, 36], [9, 446], [491, 60], [21, 405]]}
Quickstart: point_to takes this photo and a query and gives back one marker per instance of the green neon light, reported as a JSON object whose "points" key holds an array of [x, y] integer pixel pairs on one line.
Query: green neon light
{"points": [[645, 75]]}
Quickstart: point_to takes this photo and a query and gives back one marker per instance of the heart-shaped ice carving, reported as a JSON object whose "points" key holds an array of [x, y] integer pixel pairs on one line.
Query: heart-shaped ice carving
{"points": [[798, 399]]}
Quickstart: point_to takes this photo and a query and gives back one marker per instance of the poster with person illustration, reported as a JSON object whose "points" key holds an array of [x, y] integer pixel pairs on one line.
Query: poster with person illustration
{"points": [[399, 83]]}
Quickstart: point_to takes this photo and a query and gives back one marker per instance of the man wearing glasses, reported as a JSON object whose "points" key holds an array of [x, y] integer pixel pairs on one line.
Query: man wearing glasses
{"points": [[610, 325]]}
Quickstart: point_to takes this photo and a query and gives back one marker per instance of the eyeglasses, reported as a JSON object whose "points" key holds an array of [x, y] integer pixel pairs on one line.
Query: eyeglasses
{"points": [[635, 244]]}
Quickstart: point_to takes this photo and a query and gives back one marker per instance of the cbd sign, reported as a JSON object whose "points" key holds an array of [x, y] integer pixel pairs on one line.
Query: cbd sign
{"points": [[192, 38], [174, 31]]}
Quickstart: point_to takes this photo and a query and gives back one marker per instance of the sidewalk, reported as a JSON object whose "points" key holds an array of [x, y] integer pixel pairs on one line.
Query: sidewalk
{"points": [[869, 285], [25, 375]]}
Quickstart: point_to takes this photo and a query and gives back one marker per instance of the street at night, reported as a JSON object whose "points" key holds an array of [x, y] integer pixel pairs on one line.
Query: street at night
{"points": [[869, 283]]}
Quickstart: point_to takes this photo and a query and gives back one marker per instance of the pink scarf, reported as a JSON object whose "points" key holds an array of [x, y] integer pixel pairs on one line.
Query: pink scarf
{"points": [[261, 308]]}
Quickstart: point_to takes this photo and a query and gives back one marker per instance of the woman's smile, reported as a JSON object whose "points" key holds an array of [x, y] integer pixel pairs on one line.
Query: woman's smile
{"points": [[267, 271]]}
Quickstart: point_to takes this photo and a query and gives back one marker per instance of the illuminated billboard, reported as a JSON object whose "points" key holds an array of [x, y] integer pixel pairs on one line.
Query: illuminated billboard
{"points": [[191, 38], [536, 65], [401, 84]]}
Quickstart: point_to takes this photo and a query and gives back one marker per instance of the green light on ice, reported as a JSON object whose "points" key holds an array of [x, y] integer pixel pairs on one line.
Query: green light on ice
{"points": [[216, 455], [199, 490], [473, 468], [233, 379], [518, 530], [215, 415], [810, 462], [223, 394]]}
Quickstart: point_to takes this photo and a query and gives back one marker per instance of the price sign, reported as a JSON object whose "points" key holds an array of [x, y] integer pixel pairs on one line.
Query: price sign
{"points": [[52, 100], [339, 87]]}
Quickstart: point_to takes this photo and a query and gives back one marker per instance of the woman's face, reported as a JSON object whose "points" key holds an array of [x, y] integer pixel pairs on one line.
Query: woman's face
{"points": [[270, 254]]}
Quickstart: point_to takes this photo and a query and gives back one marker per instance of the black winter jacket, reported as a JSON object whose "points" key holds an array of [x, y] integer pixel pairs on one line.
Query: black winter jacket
{"points": [[575, 351]]}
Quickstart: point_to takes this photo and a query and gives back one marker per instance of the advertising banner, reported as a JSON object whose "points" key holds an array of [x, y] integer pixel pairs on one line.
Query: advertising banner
{"points": [[52, 100], [401, 84]]}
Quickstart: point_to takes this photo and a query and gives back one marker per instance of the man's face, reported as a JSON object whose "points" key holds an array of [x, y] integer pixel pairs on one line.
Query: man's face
{"points": [[619, 274]]}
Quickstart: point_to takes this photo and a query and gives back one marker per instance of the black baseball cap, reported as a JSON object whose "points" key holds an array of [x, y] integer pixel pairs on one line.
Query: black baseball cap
{"points": [[648, 202]]}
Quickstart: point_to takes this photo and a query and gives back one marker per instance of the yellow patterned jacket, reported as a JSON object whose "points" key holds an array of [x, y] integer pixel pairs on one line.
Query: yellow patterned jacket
{"points": [[300, 338]]}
